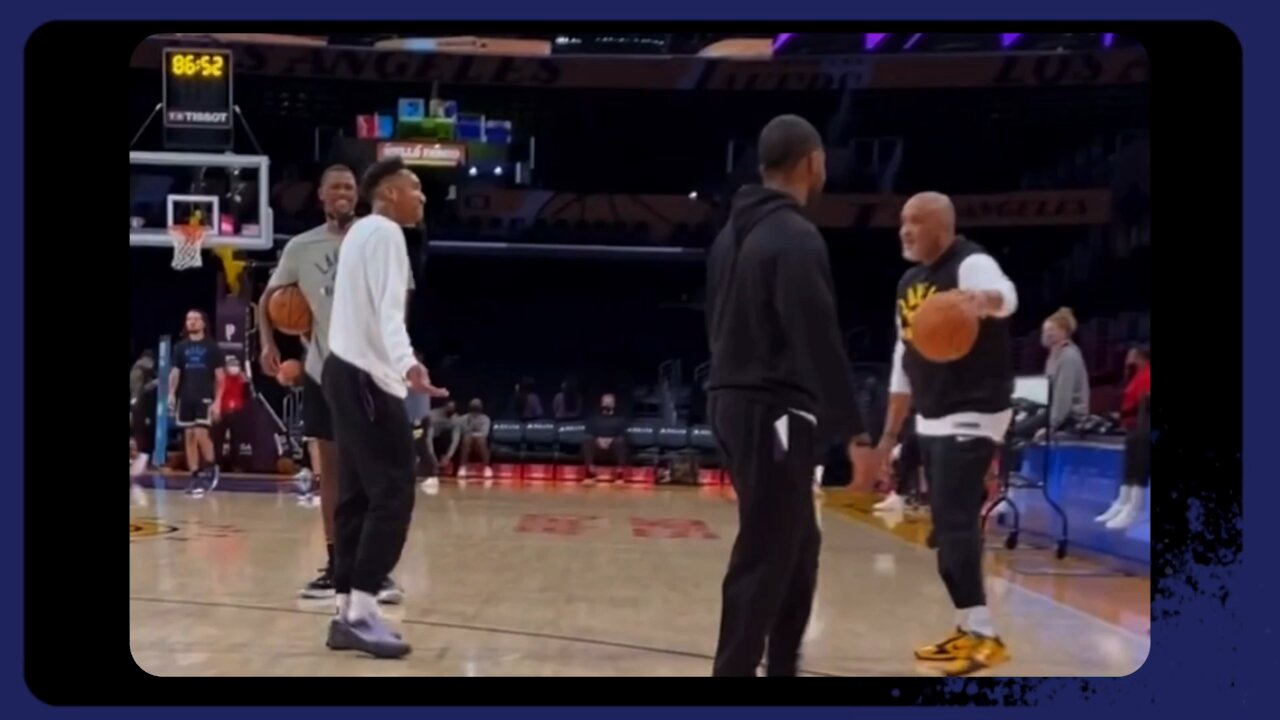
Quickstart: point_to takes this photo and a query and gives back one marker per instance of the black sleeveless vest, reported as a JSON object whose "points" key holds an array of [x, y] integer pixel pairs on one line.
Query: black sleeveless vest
{"points": [[981, 381]]}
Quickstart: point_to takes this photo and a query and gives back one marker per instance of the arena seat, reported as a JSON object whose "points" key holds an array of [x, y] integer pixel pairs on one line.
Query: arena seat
{"points": [[569, 437], [673, 440], [642, 441], [506, 441], [541, 442], [702, 443]]}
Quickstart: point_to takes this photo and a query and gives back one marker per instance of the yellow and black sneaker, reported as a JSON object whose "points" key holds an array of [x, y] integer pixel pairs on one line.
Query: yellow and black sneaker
{"points": [[953, 648], [984, 653]]}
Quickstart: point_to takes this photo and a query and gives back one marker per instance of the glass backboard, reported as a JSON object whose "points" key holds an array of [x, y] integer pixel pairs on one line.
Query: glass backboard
{"points": [[228, 194]]}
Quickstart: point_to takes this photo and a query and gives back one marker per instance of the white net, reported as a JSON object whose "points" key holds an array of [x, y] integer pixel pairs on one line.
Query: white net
{"points": [[187, 243]]}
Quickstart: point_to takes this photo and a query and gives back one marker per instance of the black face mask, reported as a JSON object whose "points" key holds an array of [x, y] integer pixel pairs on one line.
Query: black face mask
{"points": [[607, 410]]}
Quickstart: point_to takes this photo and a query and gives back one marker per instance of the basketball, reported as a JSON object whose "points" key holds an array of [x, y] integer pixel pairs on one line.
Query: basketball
{"points": [[290, 372], [289, 311], [944, 328]]}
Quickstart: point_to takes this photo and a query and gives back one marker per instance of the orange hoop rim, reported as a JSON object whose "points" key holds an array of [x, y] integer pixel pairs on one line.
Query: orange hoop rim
{"points": [[189, 234]]}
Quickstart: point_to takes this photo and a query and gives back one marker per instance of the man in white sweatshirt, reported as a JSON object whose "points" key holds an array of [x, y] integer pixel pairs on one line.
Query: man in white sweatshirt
{"points": [[370, 369]]}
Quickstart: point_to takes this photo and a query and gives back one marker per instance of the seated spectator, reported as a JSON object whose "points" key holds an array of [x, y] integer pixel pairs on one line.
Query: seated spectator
{"points": [[428, 430], [474, 427], [525, 404], [1135, 415], [1068, 380], [567, 404], [606, 437]]}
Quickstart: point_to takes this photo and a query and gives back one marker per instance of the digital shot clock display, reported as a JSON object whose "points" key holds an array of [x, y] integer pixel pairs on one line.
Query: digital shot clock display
{"points": [[197, 88]]}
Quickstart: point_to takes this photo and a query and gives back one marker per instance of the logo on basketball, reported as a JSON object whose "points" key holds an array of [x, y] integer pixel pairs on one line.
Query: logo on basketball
{"points": [[909, 305]]}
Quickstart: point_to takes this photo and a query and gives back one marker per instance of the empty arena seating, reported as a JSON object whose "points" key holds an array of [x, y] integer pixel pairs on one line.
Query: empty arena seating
{"points": [[542, 450]]}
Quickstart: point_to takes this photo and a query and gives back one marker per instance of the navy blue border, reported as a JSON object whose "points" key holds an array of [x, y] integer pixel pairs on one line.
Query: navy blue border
{"points": [[1213, 622]]}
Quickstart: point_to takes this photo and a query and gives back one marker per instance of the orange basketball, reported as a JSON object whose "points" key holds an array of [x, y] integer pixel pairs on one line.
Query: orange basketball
{"points": [[289, 311], [290, 372], [944, 328]]}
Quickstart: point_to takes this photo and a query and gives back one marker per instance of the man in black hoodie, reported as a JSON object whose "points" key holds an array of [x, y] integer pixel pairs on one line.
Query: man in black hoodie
{"points": [[779, 377]]}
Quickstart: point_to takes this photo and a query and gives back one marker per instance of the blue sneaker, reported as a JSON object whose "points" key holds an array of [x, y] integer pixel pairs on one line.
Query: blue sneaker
{"points": [[370, 635]]}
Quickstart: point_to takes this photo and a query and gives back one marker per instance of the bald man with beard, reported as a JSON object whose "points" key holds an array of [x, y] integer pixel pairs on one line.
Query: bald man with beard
{"points": [[963, 409]]}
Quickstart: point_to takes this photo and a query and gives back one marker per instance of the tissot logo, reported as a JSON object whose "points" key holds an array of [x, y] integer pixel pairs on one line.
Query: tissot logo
{"points": [[188, 117]]}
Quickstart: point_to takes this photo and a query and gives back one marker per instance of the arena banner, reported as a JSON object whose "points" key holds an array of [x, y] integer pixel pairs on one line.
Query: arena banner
{"points": [[231, 320], [1031, 69], [664, 212]]}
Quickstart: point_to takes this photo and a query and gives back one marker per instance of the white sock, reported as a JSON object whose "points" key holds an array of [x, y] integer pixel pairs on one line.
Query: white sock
{"points": [[980, 622], [962, 619], [363, 605], [344, 603]]}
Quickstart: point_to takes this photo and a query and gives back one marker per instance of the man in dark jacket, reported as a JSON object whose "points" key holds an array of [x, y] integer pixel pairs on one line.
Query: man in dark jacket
{"points": [[779, 377]]}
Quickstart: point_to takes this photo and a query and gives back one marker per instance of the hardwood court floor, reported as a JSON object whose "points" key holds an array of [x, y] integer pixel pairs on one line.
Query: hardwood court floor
{"points": [[555, 581]]}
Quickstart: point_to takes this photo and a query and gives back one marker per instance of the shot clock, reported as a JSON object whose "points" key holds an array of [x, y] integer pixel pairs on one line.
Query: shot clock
{"points": [[197, 88]]}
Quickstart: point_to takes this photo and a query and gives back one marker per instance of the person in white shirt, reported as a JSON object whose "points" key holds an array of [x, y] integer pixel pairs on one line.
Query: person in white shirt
{"points": [[370, 369]]}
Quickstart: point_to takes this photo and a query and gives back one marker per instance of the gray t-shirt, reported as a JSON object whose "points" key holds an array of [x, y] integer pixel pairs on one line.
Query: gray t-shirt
{"points": [[310, 261]]}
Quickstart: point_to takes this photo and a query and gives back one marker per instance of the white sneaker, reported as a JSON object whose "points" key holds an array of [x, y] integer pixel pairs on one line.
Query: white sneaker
{"points": [[431, 485], [893, 502], [462, 471], [302, 481], [488, 473], [1131, 511], [139, 465], [1121, 501]]}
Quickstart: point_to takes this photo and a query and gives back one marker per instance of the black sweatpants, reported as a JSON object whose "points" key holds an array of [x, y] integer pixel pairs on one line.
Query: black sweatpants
{"points": [[956, 468], [375, 477], [773, 569], [1137, 457]]}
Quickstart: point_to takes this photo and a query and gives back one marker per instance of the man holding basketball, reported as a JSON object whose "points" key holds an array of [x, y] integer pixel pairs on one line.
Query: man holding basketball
{"points": [[195, 396], [370, 370], [310, 261], [963, 409]]}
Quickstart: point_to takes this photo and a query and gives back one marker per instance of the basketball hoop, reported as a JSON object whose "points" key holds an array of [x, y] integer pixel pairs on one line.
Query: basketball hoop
{"points": [[187, 242]]}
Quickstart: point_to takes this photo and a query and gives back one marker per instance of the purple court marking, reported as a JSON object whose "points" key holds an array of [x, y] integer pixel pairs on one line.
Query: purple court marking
{"points": [[1008, 39], [782, 39], [912, 41], [1108, 39], [874, 40]]}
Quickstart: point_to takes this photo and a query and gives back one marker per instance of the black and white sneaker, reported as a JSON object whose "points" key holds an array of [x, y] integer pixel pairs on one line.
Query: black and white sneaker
{"points": [[302, 482], [321, 588], [195, 486], [390, 594], [213, 473]]}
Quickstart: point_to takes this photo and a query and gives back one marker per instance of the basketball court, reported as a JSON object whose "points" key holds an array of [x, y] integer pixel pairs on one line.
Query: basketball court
{"points": [[561, 580]]}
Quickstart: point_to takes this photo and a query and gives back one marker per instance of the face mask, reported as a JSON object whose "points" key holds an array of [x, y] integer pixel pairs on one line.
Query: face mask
{"points": [[233, 369]]}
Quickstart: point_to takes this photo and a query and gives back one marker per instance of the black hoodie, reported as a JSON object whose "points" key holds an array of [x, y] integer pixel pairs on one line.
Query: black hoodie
{"points": [[771, 313]]}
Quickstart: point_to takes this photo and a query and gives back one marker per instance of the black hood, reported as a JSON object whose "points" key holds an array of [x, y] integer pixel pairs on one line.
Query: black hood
{"points": [[754, 203]]}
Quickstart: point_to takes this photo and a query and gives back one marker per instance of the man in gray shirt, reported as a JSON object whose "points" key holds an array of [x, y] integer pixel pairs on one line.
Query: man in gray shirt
{"points": [[310, 261], [439, 421]]}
